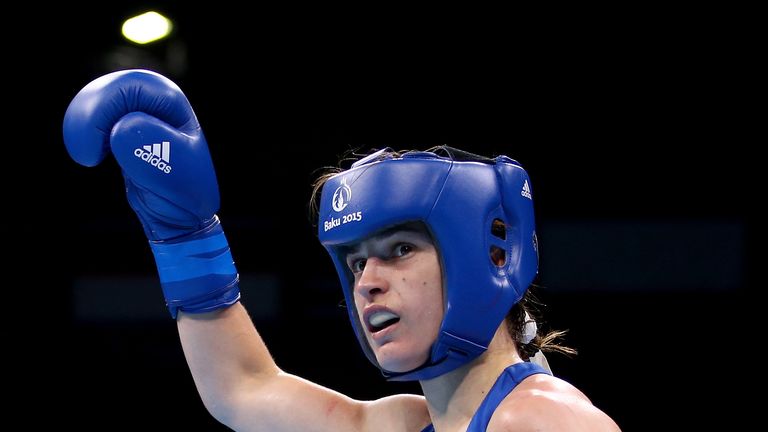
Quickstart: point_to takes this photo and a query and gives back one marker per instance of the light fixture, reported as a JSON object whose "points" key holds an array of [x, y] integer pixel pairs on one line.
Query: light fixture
{"points": [[147, 27]]}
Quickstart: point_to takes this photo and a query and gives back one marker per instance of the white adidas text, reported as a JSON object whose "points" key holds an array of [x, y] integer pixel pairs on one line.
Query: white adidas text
{"points": [[526, 192], [157, 155]]}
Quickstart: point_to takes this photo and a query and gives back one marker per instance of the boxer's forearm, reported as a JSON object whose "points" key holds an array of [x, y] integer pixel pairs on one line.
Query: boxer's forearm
{"points": [[225, 354]]}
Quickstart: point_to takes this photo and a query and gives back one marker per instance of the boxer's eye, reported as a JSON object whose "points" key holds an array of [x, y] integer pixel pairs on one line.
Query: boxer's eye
{"points": [[357, 265], [402, 249]]}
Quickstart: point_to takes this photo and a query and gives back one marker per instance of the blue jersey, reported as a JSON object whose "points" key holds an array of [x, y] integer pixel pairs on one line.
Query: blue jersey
{"points": [[509, 379]]}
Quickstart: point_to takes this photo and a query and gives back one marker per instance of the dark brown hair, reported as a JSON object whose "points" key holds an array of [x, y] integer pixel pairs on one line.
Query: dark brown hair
{"points": [[545, 341]]}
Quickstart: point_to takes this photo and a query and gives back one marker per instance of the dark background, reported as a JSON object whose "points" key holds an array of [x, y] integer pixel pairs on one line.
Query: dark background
{"points": [[634, 132]]}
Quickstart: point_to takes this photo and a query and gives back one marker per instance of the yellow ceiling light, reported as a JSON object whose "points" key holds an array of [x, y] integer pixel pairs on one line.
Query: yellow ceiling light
{"points": [[147, 27]]}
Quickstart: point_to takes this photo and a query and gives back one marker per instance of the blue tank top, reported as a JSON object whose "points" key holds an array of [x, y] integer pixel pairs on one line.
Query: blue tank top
{"points": [[509, 379]]}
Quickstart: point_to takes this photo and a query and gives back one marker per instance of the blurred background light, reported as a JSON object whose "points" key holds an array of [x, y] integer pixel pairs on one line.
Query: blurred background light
{"points": [[147, 27]]}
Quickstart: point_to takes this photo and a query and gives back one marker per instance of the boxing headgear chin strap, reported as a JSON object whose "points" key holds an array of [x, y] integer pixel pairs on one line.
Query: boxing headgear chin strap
{"points": [[458, 201]]}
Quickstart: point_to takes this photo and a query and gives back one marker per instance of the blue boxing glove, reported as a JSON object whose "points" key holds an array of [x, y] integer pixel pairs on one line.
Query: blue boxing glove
{"points": [[147, 123]]}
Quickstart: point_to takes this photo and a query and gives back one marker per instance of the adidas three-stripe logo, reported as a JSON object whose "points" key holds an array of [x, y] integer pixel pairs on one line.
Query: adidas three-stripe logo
{"points": [[157, 155], [526, 192]]}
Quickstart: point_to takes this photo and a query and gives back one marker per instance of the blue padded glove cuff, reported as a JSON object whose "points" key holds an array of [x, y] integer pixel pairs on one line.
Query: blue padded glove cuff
{"points": [[197, 271]]}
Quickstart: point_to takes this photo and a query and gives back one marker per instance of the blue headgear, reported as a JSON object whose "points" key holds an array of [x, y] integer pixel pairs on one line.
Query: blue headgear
{"points": [[458, 201]]}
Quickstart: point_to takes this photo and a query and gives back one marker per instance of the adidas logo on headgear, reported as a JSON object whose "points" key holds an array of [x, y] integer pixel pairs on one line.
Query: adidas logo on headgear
{"points": [[526, 192], [157, 155]]}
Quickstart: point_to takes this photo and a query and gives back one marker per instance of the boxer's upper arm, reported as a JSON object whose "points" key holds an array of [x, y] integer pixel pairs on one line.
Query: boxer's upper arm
{"points": [[289, 403]]}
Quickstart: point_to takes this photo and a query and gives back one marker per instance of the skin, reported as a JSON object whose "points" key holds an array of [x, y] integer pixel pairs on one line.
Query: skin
{"points": [[400, 271], [243, 388]]}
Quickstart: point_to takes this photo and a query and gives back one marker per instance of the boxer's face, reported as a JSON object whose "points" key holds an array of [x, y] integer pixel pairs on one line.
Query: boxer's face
{"points": [[398, 294]]}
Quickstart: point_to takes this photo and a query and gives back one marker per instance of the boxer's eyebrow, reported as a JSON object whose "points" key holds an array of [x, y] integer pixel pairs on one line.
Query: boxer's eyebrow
{"points": [[387, 232]]}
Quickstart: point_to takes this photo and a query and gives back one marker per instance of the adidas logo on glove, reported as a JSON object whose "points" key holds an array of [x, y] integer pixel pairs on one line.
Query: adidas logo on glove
{"points": [[157, 155]]}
